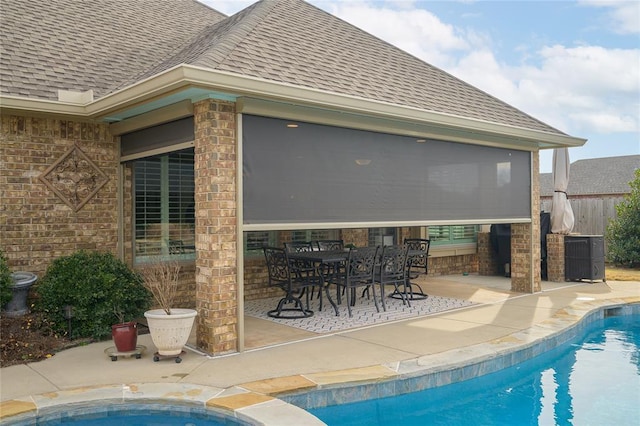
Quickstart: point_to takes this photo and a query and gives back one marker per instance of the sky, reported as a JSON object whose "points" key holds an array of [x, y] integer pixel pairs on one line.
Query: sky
{"points": [[574, 65]]}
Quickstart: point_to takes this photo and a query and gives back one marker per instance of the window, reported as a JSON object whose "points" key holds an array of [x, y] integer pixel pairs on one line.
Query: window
{"points": [[382, 236], [164, 206], [313, 235], [255, 240], [453, 234]]}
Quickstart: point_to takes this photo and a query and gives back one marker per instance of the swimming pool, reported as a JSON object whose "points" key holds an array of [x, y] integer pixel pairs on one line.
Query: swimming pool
{"points": [[110, 414], [591, 380]]}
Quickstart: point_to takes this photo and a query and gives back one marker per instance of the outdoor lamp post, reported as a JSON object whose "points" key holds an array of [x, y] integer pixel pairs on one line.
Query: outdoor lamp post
{"points": [[68, 314]]}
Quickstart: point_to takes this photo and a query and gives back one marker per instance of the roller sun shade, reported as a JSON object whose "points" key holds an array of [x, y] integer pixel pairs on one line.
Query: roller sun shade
{"points": [[157, 137], [321, 174]]}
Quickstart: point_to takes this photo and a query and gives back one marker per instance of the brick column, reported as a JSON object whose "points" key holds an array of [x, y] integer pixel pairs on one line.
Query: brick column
{"points": [[555, 258], [358, 237], [404, 233], [522, 234], [216, 226], [487, 262]]}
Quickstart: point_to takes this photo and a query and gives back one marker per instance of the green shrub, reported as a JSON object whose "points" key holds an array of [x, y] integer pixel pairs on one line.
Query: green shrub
{"points": [[623, 233], [101, 289], [5, 281]]}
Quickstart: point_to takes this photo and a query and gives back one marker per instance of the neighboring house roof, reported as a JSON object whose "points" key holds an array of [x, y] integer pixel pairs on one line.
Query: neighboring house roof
{"points": [[105, 45], [596, 176]]}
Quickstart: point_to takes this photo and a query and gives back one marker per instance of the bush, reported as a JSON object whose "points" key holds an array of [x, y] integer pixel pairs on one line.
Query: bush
{"points": [[5, 281], [623, 233], [101, 289]]}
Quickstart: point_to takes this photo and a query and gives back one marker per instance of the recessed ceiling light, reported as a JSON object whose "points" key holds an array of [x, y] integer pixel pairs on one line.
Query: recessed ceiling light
{"points": [[421, 140], [363, 162], [292, 125]]}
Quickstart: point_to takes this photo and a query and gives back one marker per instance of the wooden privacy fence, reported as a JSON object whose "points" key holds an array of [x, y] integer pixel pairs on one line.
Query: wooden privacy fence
{"points": [[591, 214]]}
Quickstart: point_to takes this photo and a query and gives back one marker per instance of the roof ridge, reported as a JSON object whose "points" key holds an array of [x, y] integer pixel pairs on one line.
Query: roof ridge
{"points": [[631, 156], [240, 25], [213, 44], [428, 64]]}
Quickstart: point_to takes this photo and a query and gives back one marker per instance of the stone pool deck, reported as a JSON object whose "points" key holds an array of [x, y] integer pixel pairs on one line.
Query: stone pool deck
{"points": [[315, 371]]}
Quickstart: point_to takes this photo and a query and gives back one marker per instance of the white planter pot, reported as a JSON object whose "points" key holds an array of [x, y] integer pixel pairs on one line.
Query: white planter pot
{"points": [[170, 332]]}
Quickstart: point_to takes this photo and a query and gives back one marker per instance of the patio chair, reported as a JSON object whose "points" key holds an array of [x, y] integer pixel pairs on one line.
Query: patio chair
{"points": [[392, 269], [301, 268], [280, 275], [418, 259], [297, 247], [329, 245], [334, 270], [175, 246], [359, 273], [421, 261]]}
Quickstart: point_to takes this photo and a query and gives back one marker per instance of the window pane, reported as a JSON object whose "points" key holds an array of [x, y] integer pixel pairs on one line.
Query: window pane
{"points": [[382, 236], [313, 235], [254, 241], [439, 233], [453, 234], [164, 206]]}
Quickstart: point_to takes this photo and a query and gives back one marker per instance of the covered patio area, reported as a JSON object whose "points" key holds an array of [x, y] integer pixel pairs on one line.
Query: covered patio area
{"points": [[462, 292]]}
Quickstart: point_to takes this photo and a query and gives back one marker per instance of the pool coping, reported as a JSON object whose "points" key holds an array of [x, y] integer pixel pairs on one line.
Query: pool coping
{"points": [[283, 400], [456, 365]]}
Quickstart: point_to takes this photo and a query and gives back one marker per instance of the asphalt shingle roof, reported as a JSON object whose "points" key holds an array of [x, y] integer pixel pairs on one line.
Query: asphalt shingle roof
{"points": [[48, 45], [596, 176], [109, 44]]}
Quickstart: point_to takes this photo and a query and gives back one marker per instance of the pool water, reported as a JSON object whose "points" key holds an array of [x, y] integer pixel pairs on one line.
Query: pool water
{"points": [[594, 380], [140, 420], [137, 415]]}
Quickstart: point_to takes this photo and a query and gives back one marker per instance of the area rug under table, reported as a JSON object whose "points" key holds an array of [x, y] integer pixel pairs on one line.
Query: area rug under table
{"points": [[364, 312]]}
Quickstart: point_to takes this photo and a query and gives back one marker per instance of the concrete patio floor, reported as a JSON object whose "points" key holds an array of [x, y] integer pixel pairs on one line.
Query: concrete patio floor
{"points": [[280, 359]]}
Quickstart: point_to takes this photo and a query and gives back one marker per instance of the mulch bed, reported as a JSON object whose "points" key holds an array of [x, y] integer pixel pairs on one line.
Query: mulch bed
{"points": [[27, 339]]}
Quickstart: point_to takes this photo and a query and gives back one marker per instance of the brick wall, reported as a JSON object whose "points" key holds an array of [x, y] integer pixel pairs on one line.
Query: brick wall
{"points": [[36, 225], [357, 237], [555, 258], [525, 277], [453, 265], [256, 279], [216, 226], [487, 261]]}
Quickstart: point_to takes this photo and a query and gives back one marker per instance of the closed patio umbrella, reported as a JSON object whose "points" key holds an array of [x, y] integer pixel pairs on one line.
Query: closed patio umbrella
{"points": [[562, 218]]}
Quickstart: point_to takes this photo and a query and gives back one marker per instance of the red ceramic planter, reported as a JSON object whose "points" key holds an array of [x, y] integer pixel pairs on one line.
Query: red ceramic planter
{"points": [[125, 336]]}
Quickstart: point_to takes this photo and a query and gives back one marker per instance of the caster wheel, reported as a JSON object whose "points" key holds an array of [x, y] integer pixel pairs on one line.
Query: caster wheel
{"points": [[178, 360], [156, 358], [114, 358], [138, 356]]}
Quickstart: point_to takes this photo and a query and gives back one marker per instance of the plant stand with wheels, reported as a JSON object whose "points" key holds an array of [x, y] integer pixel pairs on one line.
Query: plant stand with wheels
{"points": [[157, 357], [113, 352]]}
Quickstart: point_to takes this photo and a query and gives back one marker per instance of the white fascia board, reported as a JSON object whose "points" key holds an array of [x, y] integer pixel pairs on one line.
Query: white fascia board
{"points": [[17, 103], [183, 76], [260, 88]]}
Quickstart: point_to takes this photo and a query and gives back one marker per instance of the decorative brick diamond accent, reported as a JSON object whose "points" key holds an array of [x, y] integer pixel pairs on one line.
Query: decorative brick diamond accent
{"points": [[74, 178]]}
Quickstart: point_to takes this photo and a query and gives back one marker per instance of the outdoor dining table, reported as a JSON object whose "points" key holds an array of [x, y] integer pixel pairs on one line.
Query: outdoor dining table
{"points": [[331, 259]]}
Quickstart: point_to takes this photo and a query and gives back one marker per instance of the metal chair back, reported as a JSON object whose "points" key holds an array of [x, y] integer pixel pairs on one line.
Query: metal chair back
{"points": [[361, 265], [393, 264], [278, 267], [297, 247], [420, 261], [329, 245]]}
